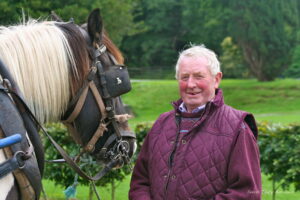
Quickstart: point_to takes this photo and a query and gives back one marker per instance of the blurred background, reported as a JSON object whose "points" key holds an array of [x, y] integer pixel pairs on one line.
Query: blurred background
{"points": [[253, 39], [257, 42]]}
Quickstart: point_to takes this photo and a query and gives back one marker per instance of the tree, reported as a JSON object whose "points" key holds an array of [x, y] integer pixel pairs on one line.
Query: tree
{"points": [[259, 29], [162, 33], [117, 15], [169, 27], [203, 23], [232, 62], [280, 159]]}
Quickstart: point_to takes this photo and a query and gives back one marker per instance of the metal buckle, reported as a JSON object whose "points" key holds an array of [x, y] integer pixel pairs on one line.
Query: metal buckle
{"points": [[101, 49]]}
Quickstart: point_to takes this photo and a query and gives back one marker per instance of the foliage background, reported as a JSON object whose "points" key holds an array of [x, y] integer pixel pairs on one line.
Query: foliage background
{"points": [[264, 34]]}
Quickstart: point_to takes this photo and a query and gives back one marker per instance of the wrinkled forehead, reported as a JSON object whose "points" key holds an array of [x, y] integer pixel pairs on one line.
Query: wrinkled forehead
{"points": [[193, 64]]}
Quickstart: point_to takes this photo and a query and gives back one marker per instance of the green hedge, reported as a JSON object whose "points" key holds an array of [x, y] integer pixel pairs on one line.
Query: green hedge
{"points": [[280, 154]]}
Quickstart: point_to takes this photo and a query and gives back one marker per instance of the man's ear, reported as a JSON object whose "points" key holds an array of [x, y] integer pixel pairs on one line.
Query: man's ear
{"points": [[218, 79], [95, 26]]}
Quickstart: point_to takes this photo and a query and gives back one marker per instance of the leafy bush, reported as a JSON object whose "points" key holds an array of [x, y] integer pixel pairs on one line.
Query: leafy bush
{"points": [[280, 154], [141, 131]]}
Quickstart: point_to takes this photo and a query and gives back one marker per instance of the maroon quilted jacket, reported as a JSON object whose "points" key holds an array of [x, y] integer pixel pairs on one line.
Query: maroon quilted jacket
{"points": [[217, 159]]}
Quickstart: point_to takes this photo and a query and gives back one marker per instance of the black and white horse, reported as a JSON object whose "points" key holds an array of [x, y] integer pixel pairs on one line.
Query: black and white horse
{"points": [[58, 69]]}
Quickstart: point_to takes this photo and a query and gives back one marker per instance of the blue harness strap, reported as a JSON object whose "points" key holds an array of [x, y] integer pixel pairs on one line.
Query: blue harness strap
{"points": [[13, 139]]}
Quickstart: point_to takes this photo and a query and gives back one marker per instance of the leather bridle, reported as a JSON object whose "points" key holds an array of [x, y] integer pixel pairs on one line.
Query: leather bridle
{"points": [[118, 154]]}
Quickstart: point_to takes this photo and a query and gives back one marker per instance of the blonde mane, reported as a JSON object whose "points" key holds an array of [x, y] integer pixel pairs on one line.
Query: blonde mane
{"points": [[39, 58]]}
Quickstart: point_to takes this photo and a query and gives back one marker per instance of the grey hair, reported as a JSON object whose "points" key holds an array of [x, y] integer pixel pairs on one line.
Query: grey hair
{"points": [[203, 52]]}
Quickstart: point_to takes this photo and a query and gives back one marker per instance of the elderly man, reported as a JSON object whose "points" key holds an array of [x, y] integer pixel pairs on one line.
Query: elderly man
{"points": [[203, 149]]}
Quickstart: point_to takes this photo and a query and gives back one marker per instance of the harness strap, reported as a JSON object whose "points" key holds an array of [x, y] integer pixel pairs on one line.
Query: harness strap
{"points": [[99, 133], [10, 140], [68, 122], [98, 100], [101, 127], [123, 118], [78, 106], [10, 165], [76, 168], [75, 135]]}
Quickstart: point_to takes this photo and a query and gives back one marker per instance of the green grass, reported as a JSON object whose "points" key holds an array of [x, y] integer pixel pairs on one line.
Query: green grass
{"points": [[280, 194], [148, 99], [277, 101], [56, 192]]}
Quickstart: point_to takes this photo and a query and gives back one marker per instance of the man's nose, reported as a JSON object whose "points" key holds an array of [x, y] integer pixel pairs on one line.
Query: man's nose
{"points": [[191, 82]]}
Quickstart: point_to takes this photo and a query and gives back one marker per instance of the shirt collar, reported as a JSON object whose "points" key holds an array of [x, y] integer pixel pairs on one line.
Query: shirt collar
{"points": [[182, 108]]}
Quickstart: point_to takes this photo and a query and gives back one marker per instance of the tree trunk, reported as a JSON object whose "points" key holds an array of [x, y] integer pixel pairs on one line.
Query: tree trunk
{"points": [[255, 62], [113, 189], [91, 192], [273, 189]]}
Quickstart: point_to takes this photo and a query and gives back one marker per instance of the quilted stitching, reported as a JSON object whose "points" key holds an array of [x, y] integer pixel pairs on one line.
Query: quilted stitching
{"points": [[201, 163], [203, 168]]}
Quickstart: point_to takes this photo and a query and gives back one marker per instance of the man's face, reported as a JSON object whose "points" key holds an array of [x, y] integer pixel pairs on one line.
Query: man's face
{"points": [[196, 83]]}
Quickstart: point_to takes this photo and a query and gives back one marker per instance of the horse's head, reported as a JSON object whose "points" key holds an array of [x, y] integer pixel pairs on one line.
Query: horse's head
{"points": [[96, 117]]}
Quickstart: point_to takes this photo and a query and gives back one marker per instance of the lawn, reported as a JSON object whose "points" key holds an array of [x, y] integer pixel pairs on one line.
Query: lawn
{"points": [[277, 101], [280, 194], [56, 192]]}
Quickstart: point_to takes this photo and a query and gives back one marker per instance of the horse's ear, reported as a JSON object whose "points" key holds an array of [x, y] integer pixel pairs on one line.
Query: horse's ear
{"points": [[95, 26], [55, 17]]}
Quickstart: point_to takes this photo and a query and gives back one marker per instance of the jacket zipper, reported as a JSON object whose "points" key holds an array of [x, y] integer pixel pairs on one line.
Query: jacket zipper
{"points": [[170, 160]]}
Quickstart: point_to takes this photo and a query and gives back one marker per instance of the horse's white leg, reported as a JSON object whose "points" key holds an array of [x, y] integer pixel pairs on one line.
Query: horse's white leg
{"points": [[6, 182]]}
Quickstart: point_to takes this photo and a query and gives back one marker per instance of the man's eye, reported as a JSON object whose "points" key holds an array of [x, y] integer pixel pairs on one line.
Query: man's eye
{"points": [[198, 76], [184, 78]]}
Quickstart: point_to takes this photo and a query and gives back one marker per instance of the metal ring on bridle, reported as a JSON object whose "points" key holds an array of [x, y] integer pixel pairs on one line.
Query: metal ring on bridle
{"points": [[101, 49]]}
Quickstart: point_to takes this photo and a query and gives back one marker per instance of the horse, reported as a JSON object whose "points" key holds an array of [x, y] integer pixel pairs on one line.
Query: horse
{"points": [[55, 71]]}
